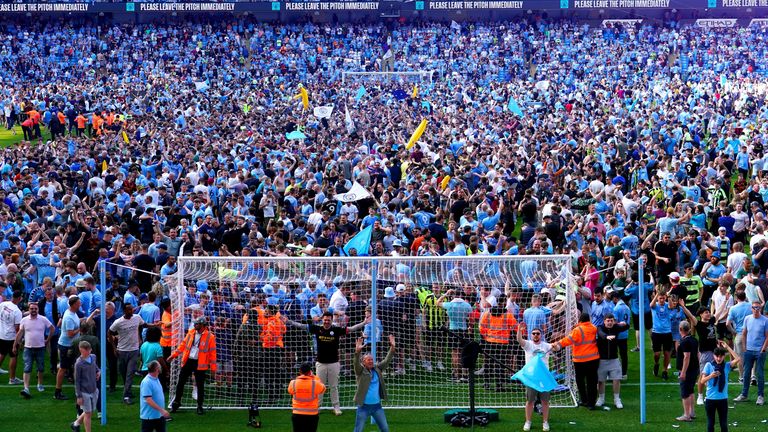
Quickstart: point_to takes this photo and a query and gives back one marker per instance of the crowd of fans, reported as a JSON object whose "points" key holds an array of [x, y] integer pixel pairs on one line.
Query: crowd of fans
{"points": [[146, 142]]}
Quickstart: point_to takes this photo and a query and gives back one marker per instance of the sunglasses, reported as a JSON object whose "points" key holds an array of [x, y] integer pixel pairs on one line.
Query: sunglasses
{"points": [[756, 307], [535, 333]]}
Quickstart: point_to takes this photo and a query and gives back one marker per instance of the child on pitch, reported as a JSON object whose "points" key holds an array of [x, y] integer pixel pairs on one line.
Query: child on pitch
{"points": [[87, 376]]}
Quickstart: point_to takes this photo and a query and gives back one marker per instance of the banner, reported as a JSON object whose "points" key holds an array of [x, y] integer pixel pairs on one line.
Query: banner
{"points": [[622, 4], [330, 6], [622, 22], [759, 22], [357, 193], [716, 23], [323, 111]]}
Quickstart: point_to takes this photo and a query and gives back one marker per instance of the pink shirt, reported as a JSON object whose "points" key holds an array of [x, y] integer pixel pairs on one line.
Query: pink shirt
{"points": [[34, 331]]}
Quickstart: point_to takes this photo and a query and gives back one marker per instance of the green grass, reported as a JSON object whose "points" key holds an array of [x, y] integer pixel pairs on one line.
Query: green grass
{"points": [[7, 138], [42, 413]]}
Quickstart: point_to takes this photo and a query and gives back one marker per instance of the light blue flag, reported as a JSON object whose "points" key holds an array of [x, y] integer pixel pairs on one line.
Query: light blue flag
{"points": [[723, 80], [295, 135], [514, 108], [536, 375], [361, 242], [360, 93]]}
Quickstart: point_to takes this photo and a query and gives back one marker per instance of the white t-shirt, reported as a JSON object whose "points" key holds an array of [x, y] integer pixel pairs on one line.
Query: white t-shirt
{"points": [[34, 331], [718, 299], [127, 332], [10, 317], [338, 302], [531, 349], [736, 261]]}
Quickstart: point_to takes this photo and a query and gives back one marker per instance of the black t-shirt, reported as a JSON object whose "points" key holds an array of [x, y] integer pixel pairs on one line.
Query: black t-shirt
{"points": [[680, 291], [705, 331], [327, 342], [690, 345]]}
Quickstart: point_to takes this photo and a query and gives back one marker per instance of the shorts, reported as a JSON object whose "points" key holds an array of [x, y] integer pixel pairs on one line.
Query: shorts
{"points": [[609, 370], [34, 356], [722, 331], [687, 385], [6, 347], [406, 333], [531, 395], [648, 321], [458, 338], [65, 361], [435, 337], [704, 358], [90, 401], [662, 341]]}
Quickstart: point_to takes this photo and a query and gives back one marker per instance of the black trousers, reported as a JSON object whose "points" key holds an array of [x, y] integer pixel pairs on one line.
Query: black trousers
{"points": [[586, 381], [189, 369], [719, 406], [154, 425], [305, 423], [112, 365], [622, 344]]}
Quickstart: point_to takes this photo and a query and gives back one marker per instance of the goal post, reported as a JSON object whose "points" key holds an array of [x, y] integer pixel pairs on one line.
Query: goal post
{"points": [[411, 76], [403, 296]]}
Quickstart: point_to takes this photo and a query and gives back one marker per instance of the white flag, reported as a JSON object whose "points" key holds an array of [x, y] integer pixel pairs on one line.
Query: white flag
{"points": [[348, 121], [323, 111], [455, 26], [357, 193], [201, 86]]}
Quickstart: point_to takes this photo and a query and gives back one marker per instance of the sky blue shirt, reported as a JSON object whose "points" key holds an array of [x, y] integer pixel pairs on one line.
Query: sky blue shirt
{"points": [[70, 321], [373, 397], [598, 312], [622, 314], [756, 328], [712, 392], [662, 319], [536, 318], [150, 387], [457, 314], [737, 314]]}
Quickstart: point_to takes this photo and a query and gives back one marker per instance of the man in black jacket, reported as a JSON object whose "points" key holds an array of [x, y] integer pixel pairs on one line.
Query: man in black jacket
{"points": [[610, 366]]}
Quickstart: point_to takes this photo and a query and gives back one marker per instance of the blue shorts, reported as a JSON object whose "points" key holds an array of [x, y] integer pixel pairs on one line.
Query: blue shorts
{"points": [[34, 356]]}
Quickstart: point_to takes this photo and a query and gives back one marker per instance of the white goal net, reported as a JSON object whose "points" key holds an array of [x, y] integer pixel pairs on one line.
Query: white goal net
{"points": [[421, 76], [413, 298]]}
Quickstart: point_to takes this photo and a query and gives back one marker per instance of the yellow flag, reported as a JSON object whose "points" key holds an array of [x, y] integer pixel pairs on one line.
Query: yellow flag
{"points": [[125, 138], [415, 92], [416, 134], [304, 95], [103, 165], [444, 183]]}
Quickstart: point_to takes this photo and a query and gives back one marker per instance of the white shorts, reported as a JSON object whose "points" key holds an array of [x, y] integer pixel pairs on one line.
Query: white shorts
{"points": [[90, 401]]}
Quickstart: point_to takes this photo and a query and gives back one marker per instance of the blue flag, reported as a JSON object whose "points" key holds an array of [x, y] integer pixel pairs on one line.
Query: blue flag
{"points": [[514, 108], [536, 375], [400, 94], [361, 242], [360, 93], [295, 135]]}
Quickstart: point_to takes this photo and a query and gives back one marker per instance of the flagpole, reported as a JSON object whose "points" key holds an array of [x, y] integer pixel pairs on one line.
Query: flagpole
{"points": [[641, 299]]}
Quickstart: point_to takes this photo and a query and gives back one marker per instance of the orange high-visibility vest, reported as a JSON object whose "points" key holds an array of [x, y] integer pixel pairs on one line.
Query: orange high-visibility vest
{"points": [[306, 391], [272, 332], [169, 337], [497, 329], [206, 357], [583, 337]]}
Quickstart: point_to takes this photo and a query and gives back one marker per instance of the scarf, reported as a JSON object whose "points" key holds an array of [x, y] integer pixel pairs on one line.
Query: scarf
{"points": [[721, 380]]}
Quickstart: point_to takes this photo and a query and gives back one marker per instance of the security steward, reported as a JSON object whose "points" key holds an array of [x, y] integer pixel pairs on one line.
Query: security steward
{"points": [[198, 355], [307, 391], [586, 358]]}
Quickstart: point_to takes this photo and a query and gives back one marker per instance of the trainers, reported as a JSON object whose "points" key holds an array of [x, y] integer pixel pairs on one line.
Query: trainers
{"points": [[741, 398], [127, 401], [527, 426], [74, 427], [440, 366], [480, 371], [427, 365], [60, 396], [336, 411], [3, 371], [400, 371], [700, 399], [40, 388], [15, 381], [25, 394], [617, 403], [760, 401], [664, 376], [600, 401], [623, 377], [194, 393], [635, 349], [545, 427]]}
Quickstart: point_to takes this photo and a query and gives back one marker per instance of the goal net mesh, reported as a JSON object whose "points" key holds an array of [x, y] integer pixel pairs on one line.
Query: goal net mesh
{"points": [[403, 296], [413, 77]]}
